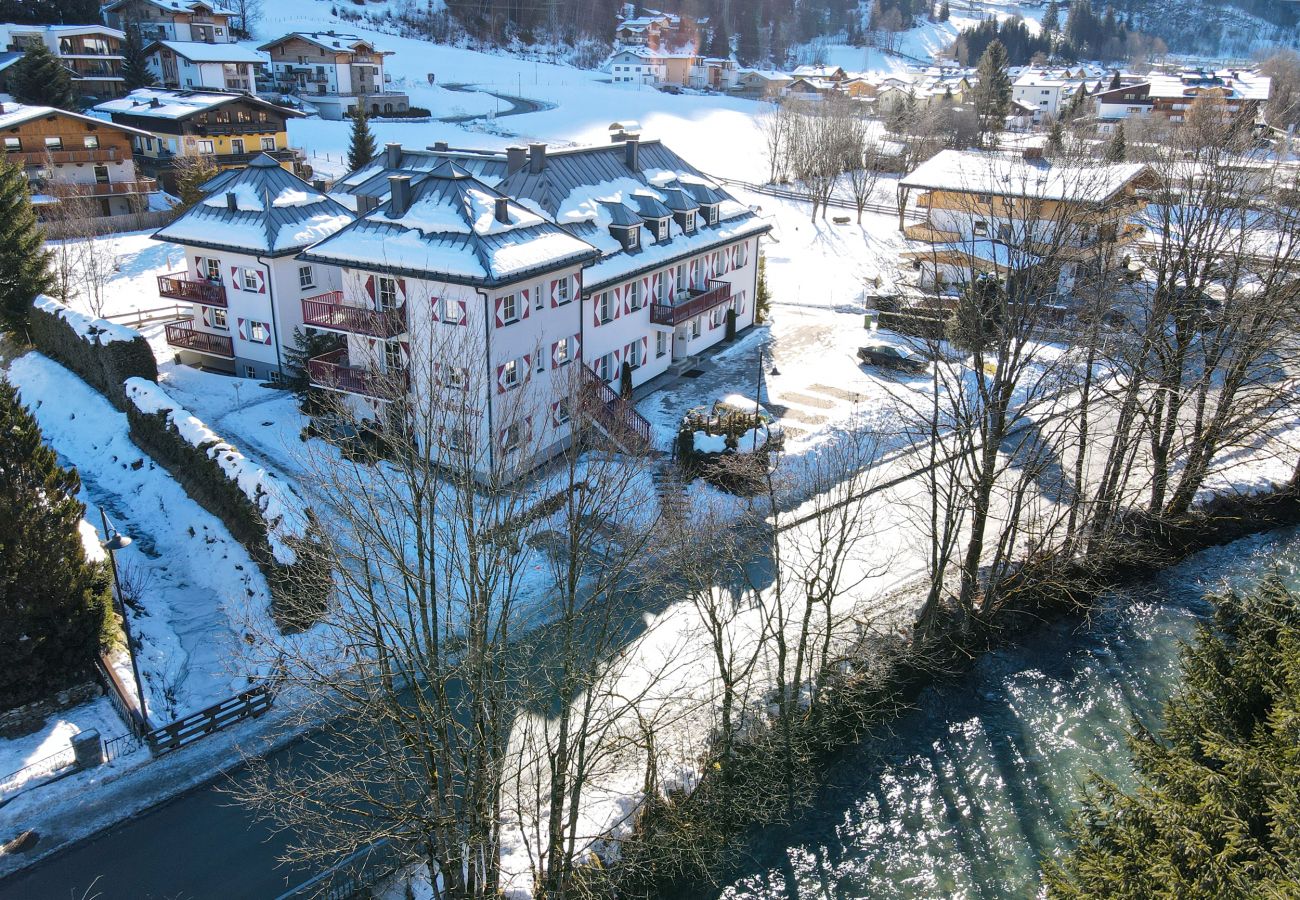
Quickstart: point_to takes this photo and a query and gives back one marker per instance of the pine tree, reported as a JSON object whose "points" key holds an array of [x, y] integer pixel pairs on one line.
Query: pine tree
{"points": [[749, 50], [362, 149], [720, 43], [944, 11], [763, 295], [1051, 18], [24, 261], [993, 91], [135, 72], [1116, 150], [306, 345], [1115, 81], [1056, 140], [192, 173], [54, 604], [39, 79], [1216, 809]]}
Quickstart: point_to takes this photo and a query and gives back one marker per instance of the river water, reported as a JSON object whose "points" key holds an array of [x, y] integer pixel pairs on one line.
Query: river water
{"points": [[970, 792]]}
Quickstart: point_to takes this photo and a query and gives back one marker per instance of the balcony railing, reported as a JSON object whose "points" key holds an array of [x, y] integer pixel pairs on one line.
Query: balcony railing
{"points": [[186, 338], [40, 157], [334, 372], [718, 293], [226, 128], [179, 287], [329, 312], [239, 159], [64, 190], [615, 416]]}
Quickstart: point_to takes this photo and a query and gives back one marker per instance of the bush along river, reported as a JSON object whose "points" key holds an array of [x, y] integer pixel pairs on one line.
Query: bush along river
{"points": [[968, 793]]}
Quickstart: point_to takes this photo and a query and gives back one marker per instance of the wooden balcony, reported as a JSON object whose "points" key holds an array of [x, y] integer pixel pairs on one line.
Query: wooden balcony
{"points": [[329, 313], [186, 338], [613, 415], [65, 190], [178, 286], [718, 292], [334, 372], [924, 231], [41, 157]]}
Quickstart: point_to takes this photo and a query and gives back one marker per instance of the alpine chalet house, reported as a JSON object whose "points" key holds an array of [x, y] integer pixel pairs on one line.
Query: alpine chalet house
{"points": [[241, 276], [173, 20], [69, 156], [334, 72], [191, 65], [229, 129], [1238, 93], [997, 214], [595, 265]]}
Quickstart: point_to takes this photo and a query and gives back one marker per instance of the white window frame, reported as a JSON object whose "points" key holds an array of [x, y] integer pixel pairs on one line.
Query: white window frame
{"points": [[268, 143], [513, 439], [690, 222], [457, 379], [392, 354], [683, 278], [306, 277], [385, 293], [250, 372], [219, 319], [634, 357], [258, 332], [248, 279], [562, 292], [450, 310], [661, 344], [537, 297], [605, 307], [206, 148], [695, 327], [742, 255], [213, 270], [980, 228], [562, 414], [510, 375], [562, 355], [509, 308], [634, 237], [634, 294], [663, 229]]}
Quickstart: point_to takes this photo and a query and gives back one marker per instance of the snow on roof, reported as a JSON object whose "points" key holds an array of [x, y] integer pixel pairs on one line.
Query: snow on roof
{"points": [[160, 103], [9, 28], [329, 40], [1010, 175], [202, 52], [280, 507], [1238, 84], [450, 232], [15, 114], [183, 6], [273, 212]]}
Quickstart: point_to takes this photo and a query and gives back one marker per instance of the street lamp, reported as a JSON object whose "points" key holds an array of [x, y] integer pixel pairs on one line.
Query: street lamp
{"points": [[117, 541]]}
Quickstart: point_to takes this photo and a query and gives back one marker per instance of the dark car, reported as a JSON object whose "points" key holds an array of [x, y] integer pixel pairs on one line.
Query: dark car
{"points": [[888, 356]]}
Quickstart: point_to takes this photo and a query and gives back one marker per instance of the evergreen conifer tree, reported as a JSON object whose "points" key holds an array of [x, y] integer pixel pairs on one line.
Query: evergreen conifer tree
{"points": [[24, 261], [39, 79], [1115, 81], [1116, 149], [135, 72], [993, 91], [749, 49], [54, 604], [944, 11], [1051, 18], [362, 149], [763, 295], [1055, 140], [192, 173], [1216, 809], [720, 43]]}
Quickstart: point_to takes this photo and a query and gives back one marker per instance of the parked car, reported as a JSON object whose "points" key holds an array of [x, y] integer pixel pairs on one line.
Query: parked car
{"points": [[891, 356]]}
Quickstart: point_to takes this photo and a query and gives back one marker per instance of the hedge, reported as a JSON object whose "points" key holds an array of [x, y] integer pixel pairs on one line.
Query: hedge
{"points": [[261, 511], [102, 353], [921, 325]]}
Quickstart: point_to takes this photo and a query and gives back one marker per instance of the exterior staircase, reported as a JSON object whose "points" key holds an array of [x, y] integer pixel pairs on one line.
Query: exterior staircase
{"points": [[671, 491], [613, 416]]}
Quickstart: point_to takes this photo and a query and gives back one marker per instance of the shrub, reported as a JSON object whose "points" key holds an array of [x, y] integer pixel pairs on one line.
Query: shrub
{"points": [[103, 354]]}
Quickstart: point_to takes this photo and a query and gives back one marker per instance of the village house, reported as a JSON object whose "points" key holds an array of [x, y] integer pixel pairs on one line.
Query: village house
{"points": [[1041, 92], [1000, 214], [192, 65], [173, 20], [652, 67], [229, 129], [709, 73], [68, 156], [758, 84], [334, 72], [657, 31], [92, 54], [548, 269], [1238, 94], [241, 278], [833, 74]]}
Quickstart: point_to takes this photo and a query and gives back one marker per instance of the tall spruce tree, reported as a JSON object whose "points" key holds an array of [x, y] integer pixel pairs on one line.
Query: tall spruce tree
{"points": [[1216, 810], [1051, 18], [1116, 148], [135, 71], [945, 12], [39, 79], [55, 605], [720, 43], [24, 261], [362, 149], [993, 91], [748, 47]]}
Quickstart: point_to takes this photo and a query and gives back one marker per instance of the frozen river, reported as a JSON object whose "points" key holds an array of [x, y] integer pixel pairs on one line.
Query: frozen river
{"points": [[969, 793]]}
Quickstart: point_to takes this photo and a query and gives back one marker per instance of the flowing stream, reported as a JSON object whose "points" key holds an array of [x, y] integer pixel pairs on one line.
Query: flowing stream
{"points": [[969, 793]]}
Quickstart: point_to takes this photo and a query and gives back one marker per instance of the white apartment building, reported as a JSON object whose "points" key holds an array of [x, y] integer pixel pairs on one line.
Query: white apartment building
{"points": [[334, 72], [192, 65], [173, 20], [512, 284], [241, 277]]}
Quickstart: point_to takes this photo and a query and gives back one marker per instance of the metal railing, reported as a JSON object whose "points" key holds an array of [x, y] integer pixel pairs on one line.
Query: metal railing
{"points": [[329, 312], [178, 286], [675, 314], [617, 417], [187, 338]]}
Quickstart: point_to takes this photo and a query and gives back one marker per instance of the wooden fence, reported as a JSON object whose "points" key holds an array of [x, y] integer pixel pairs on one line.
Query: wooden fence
{"points": [[187, 729], [101, 225]]}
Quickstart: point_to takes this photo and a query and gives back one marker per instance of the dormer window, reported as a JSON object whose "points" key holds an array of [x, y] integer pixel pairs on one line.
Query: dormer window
{"points": [[663, 230], [688, 225], [633, 240], [711, 214]]}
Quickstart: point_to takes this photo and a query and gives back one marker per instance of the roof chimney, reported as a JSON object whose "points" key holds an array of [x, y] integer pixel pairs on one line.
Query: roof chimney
{"points": [[441, 146], [231, 203], [399, 187], [393, 156], [503, 210], [366, 203], [632, 152], [516, 159], [153, 102], [536, 158]]}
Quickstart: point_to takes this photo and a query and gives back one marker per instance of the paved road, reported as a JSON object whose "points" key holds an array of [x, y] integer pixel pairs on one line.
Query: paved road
{"points": [[516, 106]]}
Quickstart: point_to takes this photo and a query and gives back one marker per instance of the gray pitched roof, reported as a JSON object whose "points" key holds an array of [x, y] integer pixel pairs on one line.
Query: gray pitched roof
{"points": [[260, 209], [450, 232]]}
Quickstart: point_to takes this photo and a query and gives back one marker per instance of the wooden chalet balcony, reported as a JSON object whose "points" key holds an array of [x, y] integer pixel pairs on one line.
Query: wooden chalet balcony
{"points": [[718, 293], [178, 286], [41, 157], [186, 338], [228, 128], [330, 313], [334, 372], [613, 415], [239, 159], [65, 190]]}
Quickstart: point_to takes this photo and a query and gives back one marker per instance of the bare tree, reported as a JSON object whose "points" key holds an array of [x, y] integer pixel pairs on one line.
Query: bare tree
{"points": [[775, 125]]}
